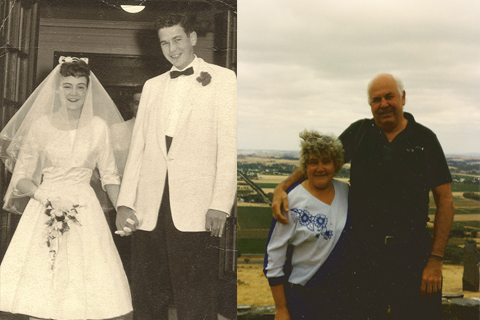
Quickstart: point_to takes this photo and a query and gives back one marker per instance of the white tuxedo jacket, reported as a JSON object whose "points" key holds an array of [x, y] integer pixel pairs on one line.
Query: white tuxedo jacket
{"points": [[202, 159]]}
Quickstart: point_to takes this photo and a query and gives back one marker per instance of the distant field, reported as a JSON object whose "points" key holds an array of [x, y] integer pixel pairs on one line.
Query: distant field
{"points": [[473, 211], [459, 201], [267, 185], [254, 220], [465, 175], [270, 179], [251, 246], [244, 192], [470, 224], [461, 212], [265, 160], [254, 223], [253, 226], [465, 187]]}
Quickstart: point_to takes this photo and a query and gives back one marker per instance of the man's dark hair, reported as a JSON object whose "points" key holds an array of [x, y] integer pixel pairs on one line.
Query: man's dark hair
{"points": [[172, 19], [137, 89]]}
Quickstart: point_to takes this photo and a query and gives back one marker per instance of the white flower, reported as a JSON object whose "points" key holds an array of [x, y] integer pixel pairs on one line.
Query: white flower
{"points": [[57, 213], [61, 205]]}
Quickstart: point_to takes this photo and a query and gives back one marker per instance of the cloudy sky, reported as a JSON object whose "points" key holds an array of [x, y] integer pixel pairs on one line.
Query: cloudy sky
{"points": [[306, 64]]}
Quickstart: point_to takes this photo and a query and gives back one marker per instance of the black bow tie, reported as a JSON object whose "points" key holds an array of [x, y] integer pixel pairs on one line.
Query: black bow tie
{"points": [[186, 72]]}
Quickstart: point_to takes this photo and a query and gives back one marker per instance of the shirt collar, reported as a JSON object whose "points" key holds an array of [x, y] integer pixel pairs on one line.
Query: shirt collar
{"points": [[409, 117]]}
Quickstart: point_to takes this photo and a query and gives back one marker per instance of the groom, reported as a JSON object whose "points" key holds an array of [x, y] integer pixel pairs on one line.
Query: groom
{"points": [[180, 180]]}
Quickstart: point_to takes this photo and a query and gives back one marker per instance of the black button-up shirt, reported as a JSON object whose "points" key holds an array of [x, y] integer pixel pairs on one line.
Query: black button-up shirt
{"points": [[390, 181]]}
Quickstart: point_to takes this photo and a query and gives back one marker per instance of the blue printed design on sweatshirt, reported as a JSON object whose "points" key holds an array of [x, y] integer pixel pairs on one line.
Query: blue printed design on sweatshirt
{"points": [[315, 223]]}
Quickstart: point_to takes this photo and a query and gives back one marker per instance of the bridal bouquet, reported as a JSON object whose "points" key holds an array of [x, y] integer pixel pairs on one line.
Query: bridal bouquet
{"points": [[60, 213]]}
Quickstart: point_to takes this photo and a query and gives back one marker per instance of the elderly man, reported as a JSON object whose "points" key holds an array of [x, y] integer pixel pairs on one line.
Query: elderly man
{"points": [[180, 180], [395, 162]]}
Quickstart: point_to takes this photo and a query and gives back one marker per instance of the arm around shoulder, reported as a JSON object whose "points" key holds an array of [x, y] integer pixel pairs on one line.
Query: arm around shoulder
{"points": [[280, 198]]}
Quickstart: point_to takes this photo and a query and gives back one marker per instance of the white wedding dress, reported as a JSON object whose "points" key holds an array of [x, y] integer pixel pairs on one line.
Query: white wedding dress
{"points": [[87, 280]]}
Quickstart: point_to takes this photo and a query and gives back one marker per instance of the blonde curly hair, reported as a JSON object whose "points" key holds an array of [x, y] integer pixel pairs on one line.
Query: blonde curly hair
{"points": [[316, 145]]}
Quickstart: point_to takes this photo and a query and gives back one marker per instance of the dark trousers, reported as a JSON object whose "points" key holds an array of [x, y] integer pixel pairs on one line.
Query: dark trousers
{"points": [[123, 244], [389, 276], [173, 268], [316, 303]]}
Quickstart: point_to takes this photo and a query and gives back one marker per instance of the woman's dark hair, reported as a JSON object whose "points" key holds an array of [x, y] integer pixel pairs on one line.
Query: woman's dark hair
{"points": [[77, 69], [172, 19]]}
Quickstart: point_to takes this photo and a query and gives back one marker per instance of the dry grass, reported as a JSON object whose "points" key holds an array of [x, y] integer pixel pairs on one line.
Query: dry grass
{"points": [[253, 289], [264, 178], [252, 286]]}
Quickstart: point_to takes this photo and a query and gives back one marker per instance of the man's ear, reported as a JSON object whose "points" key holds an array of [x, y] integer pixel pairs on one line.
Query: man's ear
{"points": [[193, 38]]}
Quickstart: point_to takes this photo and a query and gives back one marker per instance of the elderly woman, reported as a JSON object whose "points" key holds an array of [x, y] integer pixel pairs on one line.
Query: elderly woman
{"points": [[306, 279]]}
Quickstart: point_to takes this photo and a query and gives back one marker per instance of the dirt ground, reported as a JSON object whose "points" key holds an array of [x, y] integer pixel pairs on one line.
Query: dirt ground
{"points": [[253, 289]]}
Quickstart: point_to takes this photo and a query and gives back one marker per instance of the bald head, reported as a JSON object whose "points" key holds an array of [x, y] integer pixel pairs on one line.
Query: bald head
{"points": [[398, 82], [386, 96]]}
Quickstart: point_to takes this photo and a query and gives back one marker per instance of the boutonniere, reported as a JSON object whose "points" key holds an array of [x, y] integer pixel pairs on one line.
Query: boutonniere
{"points": [[204, 78]]}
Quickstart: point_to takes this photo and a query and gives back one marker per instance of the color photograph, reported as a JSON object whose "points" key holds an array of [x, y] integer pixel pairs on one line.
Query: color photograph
{"points": [[367, 74]]}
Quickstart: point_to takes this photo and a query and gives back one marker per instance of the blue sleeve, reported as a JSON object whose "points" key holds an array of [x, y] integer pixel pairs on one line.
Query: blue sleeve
{"points": [[276, 249]]}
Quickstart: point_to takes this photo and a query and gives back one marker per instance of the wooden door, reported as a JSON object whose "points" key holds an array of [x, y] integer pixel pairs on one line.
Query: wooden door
{"points": [[18, 56]]}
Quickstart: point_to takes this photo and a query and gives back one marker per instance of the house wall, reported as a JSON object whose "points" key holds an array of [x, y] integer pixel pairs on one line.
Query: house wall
{"points": [[107, 37]]}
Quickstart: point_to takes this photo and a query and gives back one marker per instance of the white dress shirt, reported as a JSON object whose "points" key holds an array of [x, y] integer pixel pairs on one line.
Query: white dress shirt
{"points": [[175, 95]]}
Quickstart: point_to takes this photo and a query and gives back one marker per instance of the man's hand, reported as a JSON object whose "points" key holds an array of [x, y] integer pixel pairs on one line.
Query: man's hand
{"points": [[126, 221], [280, 200], [432, 277], [215, 222]]}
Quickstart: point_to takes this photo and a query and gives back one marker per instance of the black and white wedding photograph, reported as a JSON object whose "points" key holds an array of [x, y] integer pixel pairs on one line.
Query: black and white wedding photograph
{"points": [[118, 148]]}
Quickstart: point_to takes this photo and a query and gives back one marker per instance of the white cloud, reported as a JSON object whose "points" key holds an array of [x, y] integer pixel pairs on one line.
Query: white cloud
{"points": [[306, 64]]}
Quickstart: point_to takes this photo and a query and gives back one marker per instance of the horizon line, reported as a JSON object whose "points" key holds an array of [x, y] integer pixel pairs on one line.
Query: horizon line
{"points": [[473, 154]]}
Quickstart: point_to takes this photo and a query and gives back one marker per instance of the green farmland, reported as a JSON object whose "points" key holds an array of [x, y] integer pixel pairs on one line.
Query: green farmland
{"points": [[254, 224], [267, 185], [465, 187]]}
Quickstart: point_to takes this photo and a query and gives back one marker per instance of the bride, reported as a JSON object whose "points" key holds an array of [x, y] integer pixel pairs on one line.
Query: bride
{"points": [[62, 262]]}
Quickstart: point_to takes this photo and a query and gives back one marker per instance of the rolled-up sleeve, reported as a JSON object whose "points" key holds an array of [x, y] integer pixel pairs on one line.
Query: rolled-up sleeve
{"points": [[277, 244]]}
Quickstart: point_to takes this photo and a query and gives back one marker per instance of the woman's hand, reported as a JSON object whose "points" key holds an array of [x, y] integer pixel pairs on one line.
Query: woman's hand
{"points": [[126, 221], [41, 196]]}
